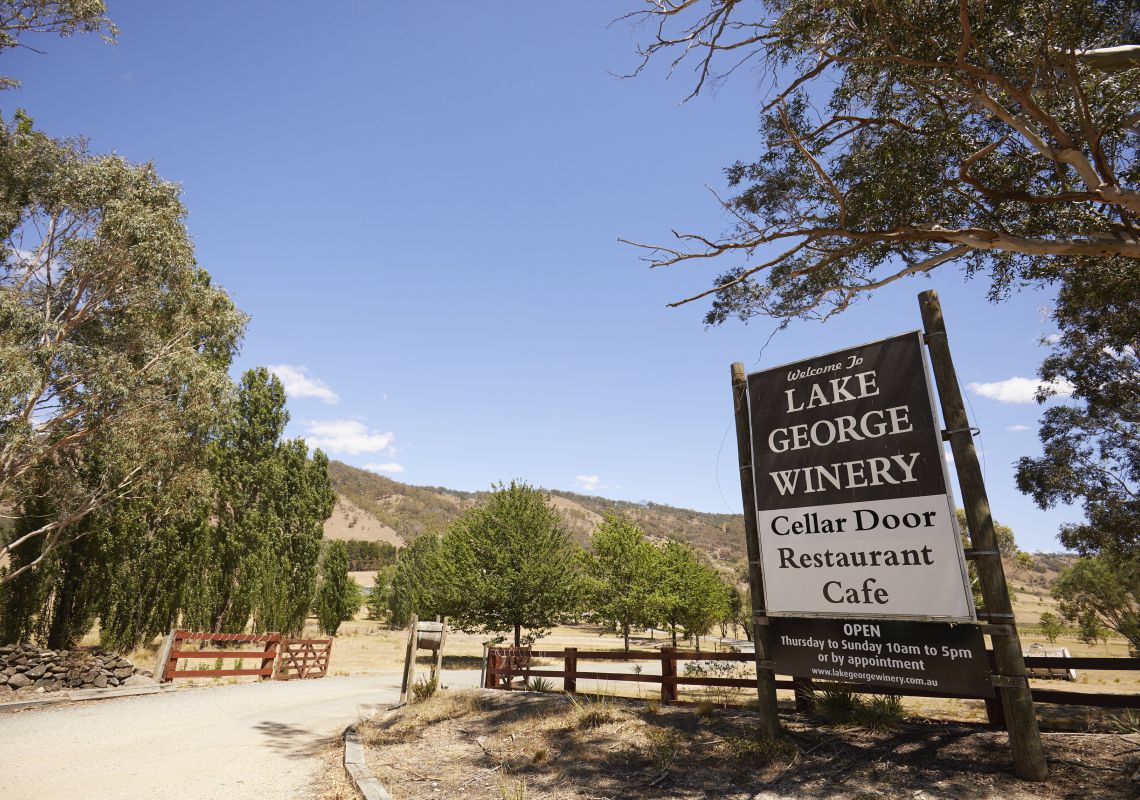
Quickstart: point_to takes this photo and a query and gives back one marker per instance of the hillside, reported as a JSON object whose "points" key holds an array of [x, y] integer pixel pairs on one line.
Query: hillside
{"points": [[381, 504], [376, 508]]}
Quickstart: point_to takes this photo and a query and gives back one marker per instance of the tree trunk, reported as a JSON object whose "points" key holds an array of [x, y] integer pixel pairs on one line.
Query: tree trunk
{"points": [[518, 635], [625, 632], [673, 626]]}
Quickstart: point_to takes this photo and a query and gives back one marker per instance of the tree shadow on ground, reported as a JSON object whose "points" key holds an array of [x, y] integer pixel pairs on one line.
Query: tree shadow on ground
{"points": [[292, 740]]}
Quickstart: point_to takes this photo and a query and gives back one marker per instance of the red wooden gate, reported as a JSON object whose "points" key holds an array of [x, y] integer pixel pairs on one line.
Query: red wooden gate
{"points": [[303, 658]]}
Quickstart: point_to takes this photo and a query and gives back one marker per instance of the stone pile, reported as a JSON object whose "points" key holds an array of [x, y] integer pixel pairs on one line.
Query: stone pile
{"points": [[27, 669]]}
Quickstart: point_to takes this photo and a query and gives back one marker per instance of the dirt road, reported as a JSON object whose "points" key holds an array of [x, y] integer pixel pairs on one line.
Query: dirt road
{"points": [[227, 742]]}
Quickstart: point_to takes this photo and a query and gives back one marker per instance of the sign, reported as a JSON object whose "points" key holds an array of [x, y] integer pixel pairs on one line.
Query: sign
{"points": [[904, 656], [854, 512]]}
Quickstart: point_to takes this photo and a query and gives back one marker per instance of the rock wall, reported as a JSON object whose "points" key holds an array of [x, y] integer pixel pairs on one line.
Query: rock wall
{"points": [[28, 669]]}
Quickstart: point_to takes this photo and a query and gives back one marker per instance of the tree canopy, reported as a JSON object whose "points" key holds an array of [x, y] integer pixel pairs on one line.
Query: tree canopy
{"points": [[1001, 136], [510, 565], [623, 572], [115, 344]]}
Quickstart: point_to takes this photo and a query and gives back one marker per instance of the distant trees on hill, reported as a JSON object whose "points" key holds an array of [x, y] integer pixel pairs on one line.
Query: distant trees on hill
{"points": [[507, 567], [363, 556]]}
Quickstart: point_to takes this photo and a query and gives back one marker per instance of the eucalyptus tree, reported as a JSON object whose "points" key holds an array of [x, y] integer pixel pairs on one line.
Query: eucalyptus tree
{"points": [[899, 136], [114, 344], [21, 19], [1091, 444]]}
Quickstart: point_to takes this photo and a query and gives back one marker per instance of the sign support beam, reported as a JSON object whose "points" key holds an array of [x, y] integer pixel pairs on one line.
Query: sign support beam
{"points": [[1016, 699], [765, 675]]}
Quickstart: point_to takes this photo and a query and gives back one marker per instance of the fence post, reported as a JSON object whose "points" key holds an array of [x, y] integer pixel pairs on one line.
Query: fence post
{"points": [[409, 661], [272, 642], [164, 651], [668, 670], [570, 681], [491, 666], [172, 659]]}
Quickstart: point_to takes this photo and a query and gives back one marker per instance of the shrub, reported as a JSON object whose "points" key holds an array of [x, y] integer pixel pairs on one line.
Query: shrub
{"points": [[663, 746], [836, 702], [424, 688], [539, 685], [592, 713]]}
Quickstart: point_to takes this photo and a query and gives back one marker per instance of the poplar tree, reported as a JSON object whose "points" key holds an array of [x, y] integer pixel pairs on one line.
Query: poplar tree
{"points": [[418, 582], [336, 595]]}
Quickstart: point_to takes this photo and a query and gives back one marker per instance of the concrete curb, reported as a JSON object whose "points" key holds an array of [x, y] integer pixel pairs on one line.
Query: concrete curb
{"points": [[79, 695], [366, 783]]}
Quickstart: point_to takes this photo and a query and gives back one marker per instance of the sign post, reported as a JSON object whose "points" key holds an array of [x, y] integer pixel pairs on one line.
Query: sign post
{"points": [[1016, 698], [765, 672], [855, 558]]}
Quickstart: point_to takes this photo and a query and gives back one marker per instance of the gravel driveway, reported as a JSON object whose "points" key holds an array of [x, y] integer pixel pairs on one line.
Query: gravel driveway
{"points": [[228, 742]]}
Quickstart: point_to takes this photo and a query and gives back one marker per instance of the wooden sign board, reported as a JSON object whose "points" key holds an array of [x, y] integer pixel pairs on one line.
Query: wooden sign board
{"points": [[853, 506]]}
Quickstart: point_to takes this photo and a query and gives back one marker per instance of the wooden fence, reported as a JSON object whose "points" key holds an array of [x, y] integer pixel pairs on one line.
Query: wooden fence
{"points": [[512, 668], [277, 656]]}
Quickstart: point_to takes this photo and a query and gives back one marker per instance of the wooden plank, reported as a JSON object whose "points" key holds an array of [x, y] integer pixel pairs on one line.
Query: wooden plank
{"points": [[256, 655], [1097, 700], [220, 673], [1024, 735], [1083, 662], [761, 635], [228, 637]]}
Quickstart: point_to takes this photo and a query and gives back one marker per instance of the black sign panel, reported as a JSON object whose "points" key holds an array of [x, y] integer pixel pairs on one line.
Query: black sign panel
{"points": [[845, 408], [929, 656]]}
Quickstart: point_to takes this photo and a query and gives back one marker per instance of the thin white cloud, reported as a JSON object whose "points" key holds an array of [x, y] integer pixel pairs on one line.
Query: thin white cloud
{"points": [[389, 467], [298, 383], [1052, 338], [588, 483], [1017, 428], [348, 436], [1018, 390]]}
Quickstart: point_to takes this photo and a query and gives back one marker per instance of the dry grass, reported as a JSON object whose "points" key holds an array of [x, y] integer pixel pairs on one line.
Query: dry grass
{"points": [[488, 745]]}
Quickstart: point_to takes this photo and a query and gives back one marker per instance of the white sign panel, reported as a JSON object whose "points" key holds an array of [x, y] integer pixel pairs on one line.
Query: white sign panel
{"points": [[854, 511]]}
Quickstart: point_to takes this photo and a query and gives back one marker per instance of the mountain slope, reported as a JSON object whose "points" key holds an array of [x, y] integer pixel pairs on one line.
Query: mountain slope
{"points": [[410, 510]]}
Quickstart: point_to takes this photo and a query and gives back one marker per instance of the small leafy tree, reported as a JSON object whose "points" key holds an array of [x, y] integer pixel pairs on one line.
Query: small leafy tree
{"points": [[1105, 588], [690, 594], [1051, 626], [510, 565], [378, 601], [334, 594], [621, 570], [1090, 631]]}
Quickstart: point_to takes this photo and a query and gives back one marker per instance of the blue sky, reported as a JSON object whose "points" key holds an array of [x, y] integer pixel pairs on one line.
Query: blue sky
{"points": [[419, 206]]}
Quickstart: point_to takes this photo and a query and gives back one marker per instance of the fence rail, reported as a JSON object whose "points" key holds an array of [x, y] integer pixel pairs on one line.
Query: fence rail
{"points": [[278, 656], [507, 665]]}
